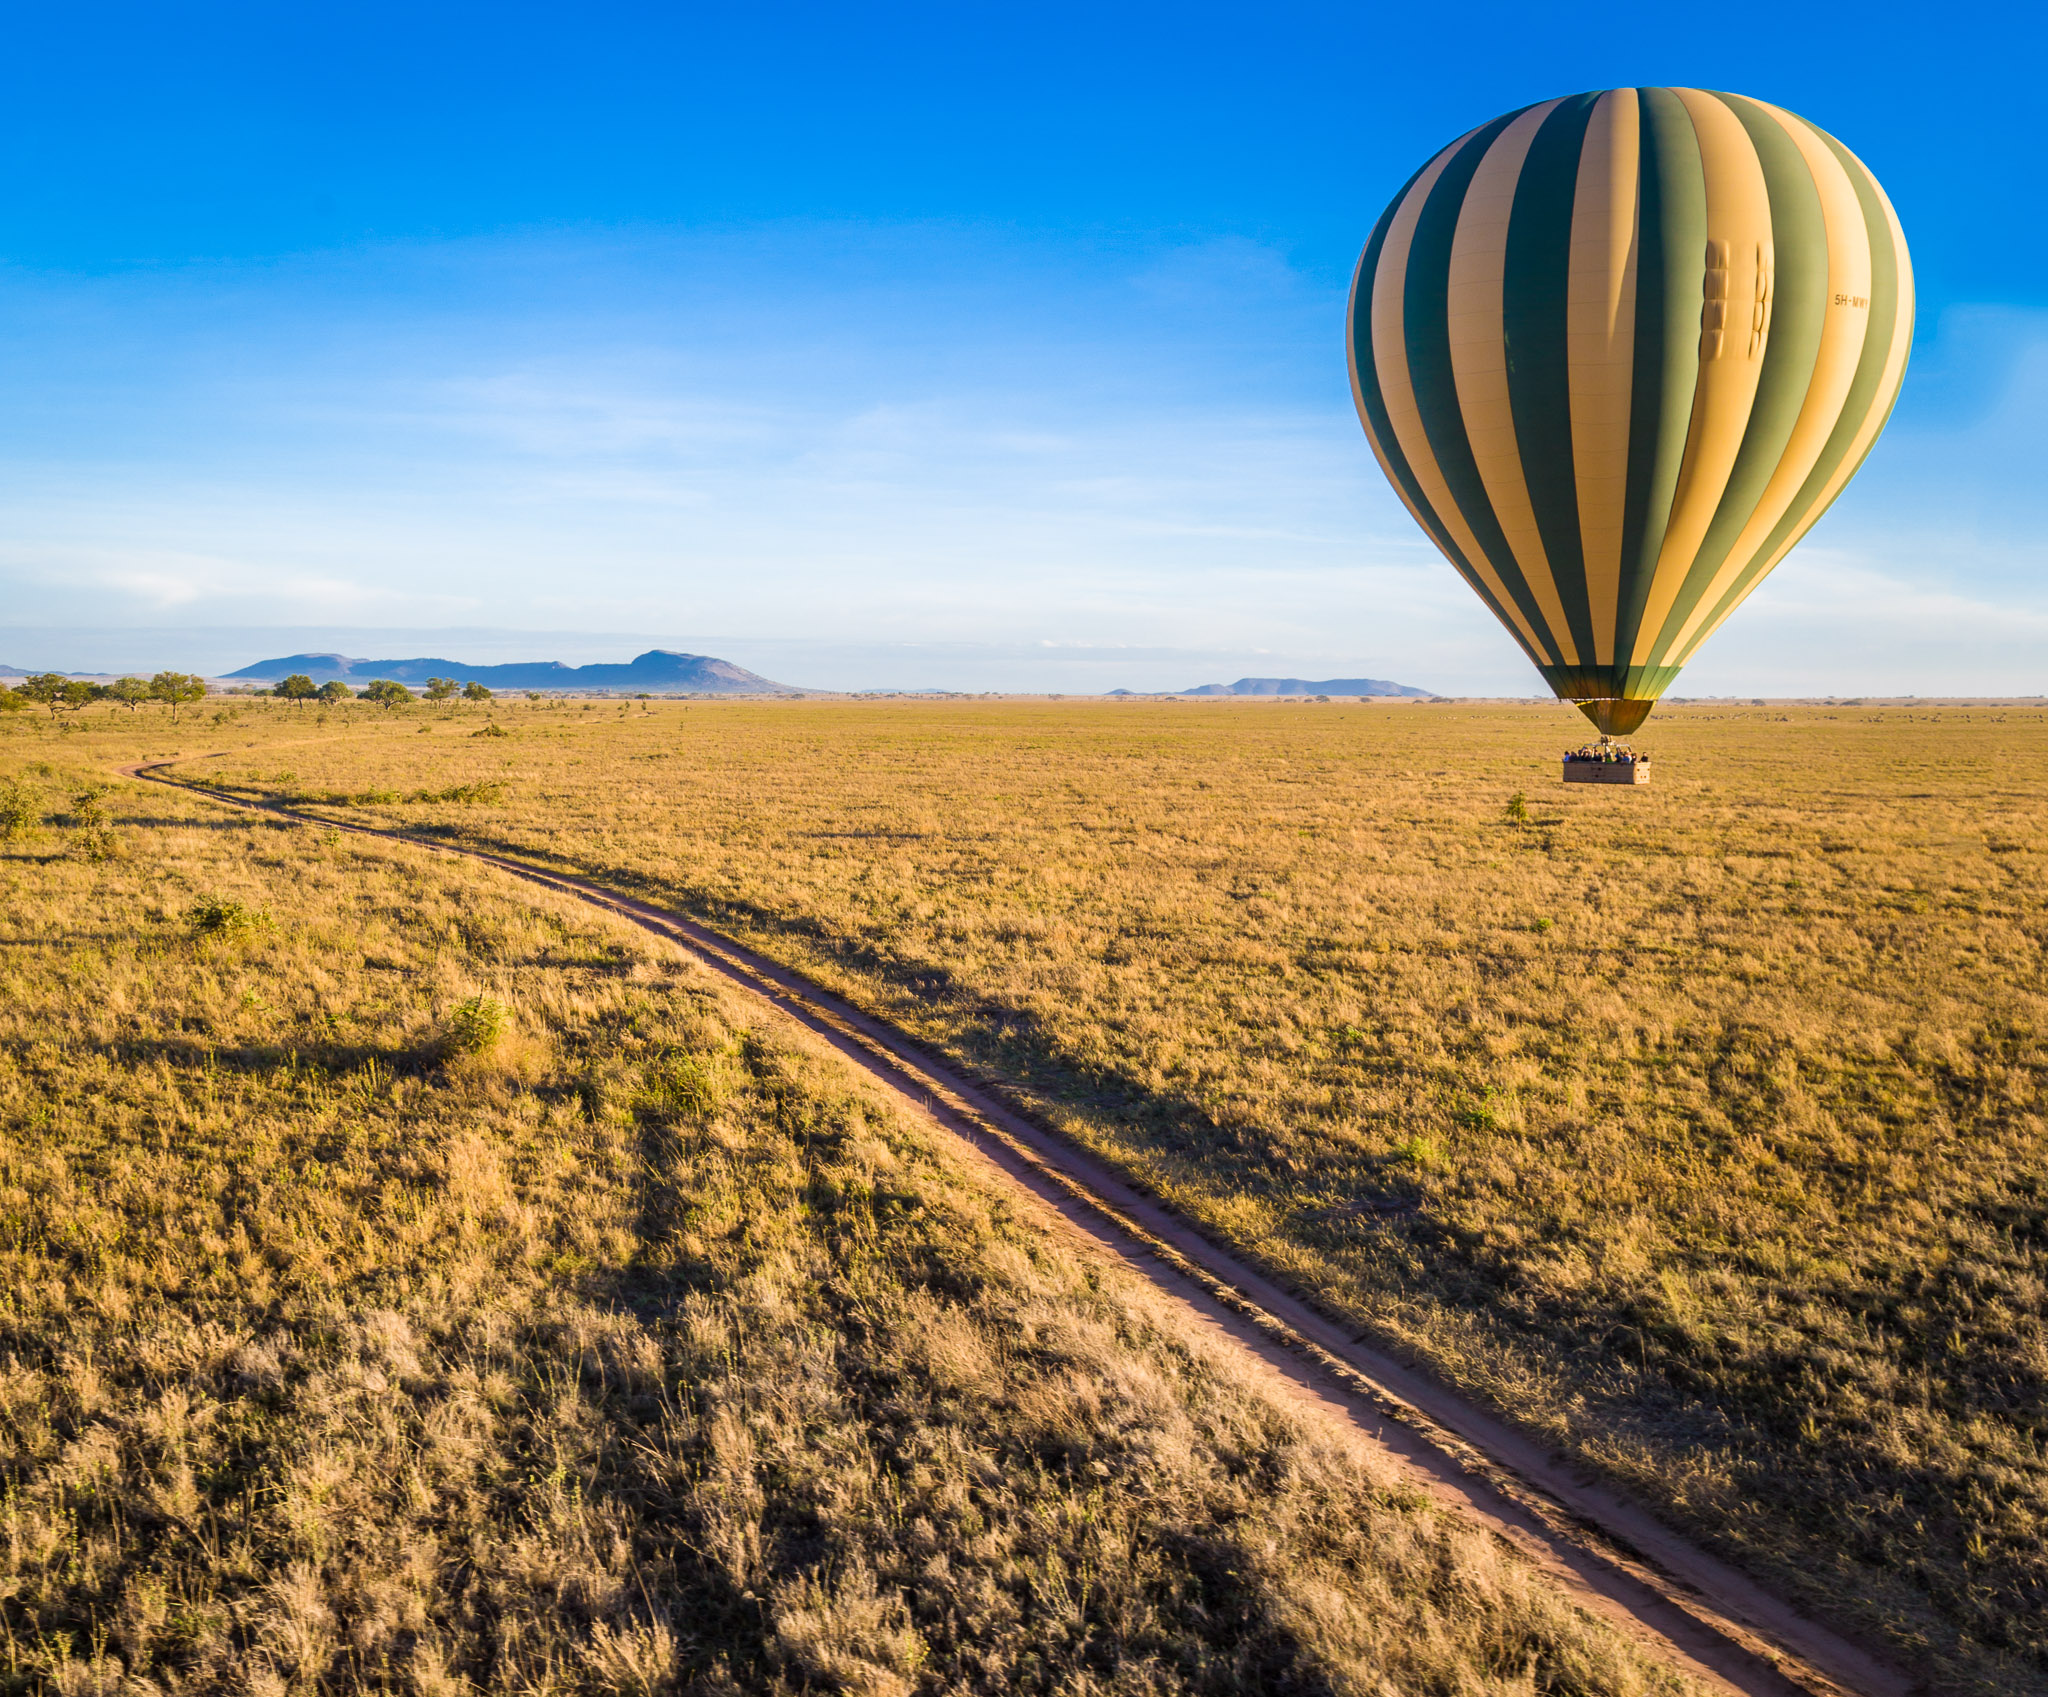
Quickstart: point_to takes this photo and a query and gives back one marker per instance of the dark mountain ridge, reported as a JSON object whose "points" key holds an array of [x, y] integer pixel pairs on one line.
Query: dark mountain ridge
{"points": [[657, 669]]}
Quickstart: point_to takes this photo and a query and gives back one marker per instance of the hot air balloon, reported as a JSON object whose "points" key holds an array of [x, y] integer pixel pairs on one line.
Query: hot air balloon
{"points": [[1617, 353]]}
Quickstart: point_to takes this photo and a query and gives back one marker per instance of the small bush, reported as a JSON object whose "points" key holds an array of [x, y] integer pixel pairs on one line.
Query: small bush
{"points": [[475, 1026], [1421, 1152], [225, 917], [481, 793], [97, 843], [21, 810], [491, 730], [1518, 808]]}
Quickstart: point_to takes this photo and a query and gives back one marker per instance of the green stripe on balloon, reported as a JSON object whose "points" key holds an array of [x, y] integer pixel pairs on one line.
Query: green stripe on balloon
{"points": [[1536, 325], [1426, 324], [1672, 240], [1372, 399]]}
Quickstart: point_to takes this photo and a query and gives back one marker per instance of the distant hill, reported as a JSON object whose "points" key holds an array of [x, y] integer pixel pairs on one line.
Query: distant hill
{"points": [[1304, 686], [657, 669]]}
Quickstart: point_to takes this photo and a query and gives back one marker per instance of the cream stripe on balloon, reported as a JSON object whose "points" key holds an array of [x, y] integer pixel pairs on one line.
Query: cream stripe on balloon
{"points": [[1600, 308]]}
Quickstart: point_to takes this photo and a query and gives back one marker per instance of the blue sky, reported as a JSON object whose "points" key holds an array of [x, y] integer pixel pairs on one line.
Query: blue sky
{"points": [[992, 347]]}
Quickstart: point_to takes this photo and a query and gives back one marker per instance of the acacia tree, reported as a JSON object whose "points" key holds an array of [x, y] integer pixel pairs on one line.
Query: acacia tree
{"points": [[474, 691], [440, 689], [385, 692], [177, 689], [130, 692], [298, 689], [45, 689], [335, 690], [59, 693]]}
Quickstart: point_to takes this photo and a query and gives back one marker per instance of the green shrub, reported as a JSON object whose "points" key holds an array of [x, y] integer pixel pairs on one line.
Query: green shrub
{"points": [[482, 792], [96, 843], [224, 917], [474, 1026], [1518, 808], [21, 809]]}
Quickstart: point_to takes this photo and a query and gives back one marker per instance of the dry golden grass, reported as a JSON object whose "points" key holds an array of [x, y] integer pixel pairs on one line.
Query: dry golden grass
{"points": [[414, 1281], [1699, 1128]]}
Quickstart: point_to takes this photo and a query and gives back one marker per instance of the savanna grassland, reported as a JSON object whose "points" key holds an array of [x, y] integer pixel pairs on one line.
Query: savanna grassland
{"points": [[1697, 1128], [414, 1281]]}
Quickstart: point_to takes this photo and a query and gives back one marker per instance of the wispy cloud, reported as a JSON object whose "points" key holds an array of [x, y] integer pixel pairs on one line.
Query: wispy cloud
{"points": [[938, 447]]}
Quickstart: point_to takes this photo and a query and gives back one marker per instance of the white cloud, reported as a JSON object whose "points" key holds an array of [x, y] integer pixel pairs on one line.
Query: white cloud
{"points": [[1828, 623]]}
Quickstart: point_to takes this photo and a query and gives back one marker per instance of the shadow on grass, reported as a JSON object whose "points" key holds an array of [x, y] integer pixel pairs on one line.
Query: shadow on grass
{"points": [[318, 1059], [261, 821], [1220, 1630]]}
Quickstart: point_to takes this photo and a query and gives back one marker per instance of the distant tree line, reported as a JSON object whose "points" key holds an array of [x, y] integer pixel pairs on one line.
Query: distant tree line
{"points": [[173, 690], [383, 691], [66, 695]]}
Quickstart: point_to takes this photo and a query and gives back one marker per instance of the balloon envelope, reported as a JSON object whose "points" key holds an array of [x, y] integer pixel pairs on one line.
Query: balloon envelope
{"points": [[1617, 352]]}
